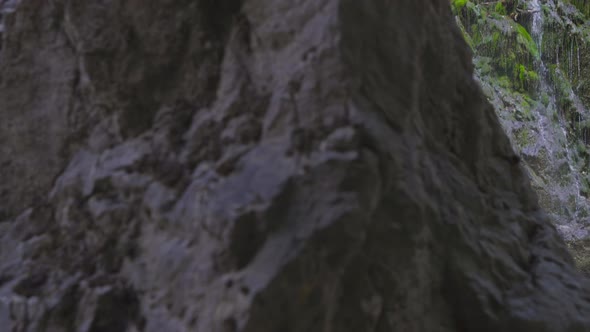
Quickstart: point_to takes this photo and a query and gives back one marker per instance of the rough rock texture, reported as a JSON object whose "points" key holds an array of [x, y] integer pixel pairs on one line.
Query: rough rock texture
{"points": [[263, 165]]}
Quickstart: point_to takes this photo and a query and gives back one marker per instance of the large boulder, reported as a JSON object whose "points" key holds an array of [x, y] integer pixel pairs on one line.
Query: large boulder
{"points": [[263, 165]]}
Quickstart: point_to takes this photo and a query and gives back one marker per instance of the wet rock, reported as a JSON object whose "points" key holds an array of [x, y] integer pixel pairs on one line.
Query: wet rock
{"points": [[264, 165]]}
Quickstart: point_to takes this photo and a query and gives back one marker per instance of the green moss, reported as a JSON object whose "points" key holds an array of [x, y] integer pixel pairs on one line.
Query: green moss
{"points": [[483, 13], [524, 137], [545, 99], [583, 6], [527, 79], [581, 148], [473, 11], [506, 61], [504, 82], [483, 65], [525, 108], [563, 89], [525, 39], [555, 117], [500, 9], [533, 76], [457, 5], [521, 73]]}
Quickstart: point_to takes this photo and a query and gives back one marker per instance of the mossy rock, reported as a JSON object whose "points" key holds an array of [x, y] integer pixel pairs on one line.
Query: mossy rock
{"points": [[580, 251], [536, 180], [585, 187], [483, 65], [504, 82], [545, 99], [527, 79], [583, 6], [563, 89]]}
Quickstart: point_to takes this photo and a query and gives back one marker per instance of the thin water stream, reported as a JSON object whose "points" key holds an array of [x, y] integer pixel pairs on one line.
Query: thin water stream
{"points": [[553, 137]]}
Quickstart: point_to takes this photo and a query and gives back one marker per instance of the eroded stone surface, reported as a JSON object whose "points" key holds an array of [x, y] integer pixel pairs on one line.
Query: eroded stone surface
{"points": [[263, 166]]}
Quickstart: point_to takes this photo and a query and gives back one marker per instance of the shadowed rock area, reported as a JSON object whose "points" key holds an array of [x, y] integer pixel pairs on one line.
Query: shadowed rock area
{"points": [[263, 165]]}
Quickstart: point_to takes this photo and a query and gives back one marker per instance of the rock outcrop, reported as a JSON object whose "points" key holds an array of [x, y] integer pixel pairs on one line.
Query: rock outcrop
{"points": [[262, 165]]}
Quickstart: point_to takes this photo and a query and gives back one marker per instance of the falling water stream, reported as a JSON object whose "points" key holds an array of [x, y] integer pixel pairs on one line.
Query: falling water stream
{"points": [[553, 136]]}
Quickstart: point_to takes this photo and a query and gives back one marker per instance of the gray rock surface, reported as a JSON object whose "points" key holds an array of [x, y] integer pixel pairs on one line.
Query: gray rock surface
{"points": [[263, 165]]}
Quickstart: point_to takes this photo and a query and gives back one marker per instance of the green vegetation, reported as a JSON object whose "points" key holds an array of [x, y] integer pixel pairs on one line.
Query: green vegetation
{"points": [[483, 64], [563, 89], [457, 5], [545, 98], [538, 84], [526, 78], [524, 137], [525, 39], [508, 45], [466, 36], [500, 9], [582, 5]]}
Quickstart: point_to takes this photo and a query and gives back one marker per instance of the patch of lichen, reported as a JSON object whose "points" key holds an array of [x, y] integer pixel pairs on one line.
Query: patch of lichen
{"points": [[580, 251]]}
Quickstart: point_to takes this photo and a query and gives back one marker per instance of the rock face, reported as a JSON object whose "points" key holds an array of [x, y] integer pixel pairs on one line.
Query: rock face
{"points": [[262, 165], [533, 63]]}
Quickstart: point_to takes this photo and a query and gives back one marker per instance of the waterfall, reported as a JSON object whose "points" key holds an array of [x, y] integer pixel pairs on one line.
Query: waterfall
{"points": [[537, 33], [579, 68], [537, 26], [541, 119], [548, 129]]}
